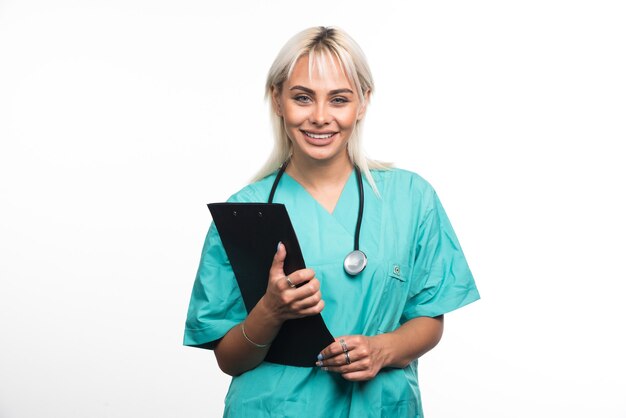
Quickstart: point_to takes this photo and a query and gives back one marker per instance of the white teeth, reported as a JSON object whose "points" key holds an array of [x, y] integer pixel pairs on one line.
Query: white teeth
{"points": [[316, 136]]}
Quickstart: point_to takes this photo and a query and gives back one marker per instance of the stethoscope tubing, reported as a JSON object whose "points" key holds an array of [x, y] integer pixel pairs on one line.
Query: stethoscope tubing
{"points": [[356, 260]]}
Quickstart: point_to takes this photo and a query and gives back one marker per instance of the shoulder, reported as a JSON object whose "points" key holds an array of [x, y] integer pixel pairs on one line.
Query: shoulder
{"points": [[255, 192], [396, 182]]}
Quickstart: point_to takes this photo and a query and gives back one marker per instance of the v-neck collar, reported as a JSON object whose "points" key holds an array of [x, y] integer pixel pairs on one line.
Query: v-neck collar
{"points": [[325, 237], [349, 186], [320, 232]]}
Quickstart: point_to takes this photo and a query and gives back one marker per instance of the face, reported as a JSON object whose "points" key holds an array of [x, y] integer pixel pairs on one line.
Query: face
{"points": [[319, 112]]}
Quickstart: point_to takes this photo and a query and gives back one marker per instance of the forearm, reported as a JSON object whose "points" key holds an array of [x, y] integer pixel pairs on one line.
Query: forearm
{"points": [[236, 355], [287, 297], [412, 340]]}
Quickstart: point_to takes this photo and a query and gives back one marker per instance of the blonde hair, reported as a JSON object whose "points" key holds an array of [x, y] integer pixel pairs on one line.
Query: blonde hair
{"points": [[320, 44]]}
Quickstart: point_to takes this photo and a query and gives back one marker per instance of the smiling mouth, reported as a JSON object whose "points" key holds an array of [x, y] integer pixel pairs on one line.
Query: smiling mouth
{"points": [[319, 136]]}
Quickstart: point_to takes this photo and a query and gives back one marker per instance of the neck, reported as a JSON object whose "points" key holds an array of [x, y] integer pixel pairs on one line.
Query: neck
{"points": [[320, 174]]}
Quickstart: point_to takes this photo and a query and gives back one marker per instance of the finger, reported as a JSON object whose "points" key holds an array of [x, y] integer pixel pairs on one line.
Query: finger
{"points": [[308, 301], [306, 289], [314, 310], [299, 291], [331, 351], [302, 276], [346, 368], [299, 278], [276, 270], [336, 348], [341, 360]]}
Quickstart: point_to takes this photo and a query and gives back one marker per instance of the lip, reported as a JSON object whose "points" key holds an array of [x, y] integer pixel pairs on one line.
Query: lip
{"points": [[326, 137], [317, 133]]}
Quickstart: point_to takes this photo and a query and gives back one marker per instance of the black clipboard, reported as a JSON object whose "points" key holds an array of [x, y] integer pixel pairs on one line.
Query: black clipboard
{"points": [[250, 233]]}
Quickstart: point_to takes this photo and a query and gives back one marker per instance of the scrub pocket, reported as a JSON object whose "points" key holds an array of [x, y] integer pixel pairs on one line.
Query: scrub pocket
{"points": [[394, 297]]}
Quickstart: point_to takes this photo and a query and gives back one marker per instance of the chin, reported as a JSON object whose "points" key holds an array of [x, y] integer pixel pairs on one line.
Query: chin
{"points": [[322, 156], [328, 152]]}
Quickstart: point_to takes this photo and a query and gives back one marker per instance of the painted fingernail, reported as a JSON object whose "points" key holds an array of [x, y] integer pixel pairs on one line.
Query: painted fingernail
{"points": [[320, 357], [278, 245], [319, 363]]}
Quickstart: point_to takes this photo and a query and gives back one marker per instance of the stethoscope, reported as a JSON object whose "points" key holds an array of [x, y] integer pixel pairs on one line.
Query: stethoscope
{"points": [[355, 261]]}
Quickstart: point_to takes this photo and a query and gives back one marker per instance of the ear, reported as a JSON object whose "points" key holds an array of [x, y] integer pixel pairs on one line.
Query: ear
{"points": [[363, 107], [276, 101]]}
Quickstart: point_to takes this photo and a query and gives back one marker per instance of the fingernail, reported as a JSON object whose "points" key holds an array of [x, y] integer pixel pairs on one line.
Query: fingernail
{"points": [[278, 246], [320, 357], [325, 369], [319, 363]]}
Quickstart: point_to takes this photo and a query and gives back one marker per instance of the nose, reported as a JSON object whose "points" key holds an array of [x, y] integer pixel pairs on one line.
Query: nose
{"points": [[320, 114]]}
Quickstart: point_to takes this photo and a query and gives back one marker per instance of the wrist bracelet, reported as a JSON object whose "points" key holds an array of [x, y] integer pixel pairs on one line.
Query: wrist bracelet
{"points": [[243, 331]]}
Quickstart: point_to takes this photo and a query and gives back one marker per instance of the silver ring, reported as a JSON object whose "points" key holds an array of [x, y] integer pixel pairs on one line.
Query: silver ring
{"points": [[347, 358], [344, 346], [290, 282]]}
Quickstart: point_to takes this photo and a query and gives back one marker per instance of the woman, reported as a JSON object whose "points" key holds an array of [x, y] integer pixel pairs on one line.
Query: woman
{"points": [[386, 315]]}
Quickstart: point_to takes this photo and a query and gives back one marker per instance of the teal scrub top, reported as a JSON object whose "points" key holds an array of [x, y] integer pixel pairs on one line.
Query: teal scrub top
{"points": [[415, 268]]}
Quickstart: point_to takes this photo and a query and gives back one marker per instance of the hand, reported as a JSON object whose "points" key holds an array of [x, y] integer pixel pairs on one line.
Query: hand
{"points": [[287, 302], [365, 353]]}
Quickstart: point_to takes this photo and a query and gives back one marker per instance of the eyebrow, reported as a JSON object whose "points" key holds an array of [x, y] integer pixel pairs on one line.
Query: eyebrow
{"points": [[311, 92]]}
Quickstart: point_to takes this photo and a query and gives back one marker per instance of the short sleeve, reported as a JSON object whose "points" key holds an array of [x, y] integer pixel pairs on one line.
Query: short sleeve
{"points": [[216, 304], [442, 280]]}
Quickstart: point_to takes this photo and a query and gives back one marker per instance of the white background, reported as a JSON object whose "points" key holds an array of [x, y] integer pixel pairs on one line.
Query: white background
{"points": [[120, 119]]}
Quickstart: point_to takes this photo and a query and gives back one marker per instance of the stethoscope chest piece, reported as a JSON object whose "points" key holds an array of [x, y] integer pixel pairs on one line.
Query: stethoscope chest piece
{"points": [[355, 262]]}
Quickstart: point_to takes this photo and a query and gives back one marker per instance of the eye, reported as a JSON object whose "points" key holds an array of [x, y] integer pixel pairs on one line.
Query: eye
{"points": [[301, 98], [339, 100]]}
